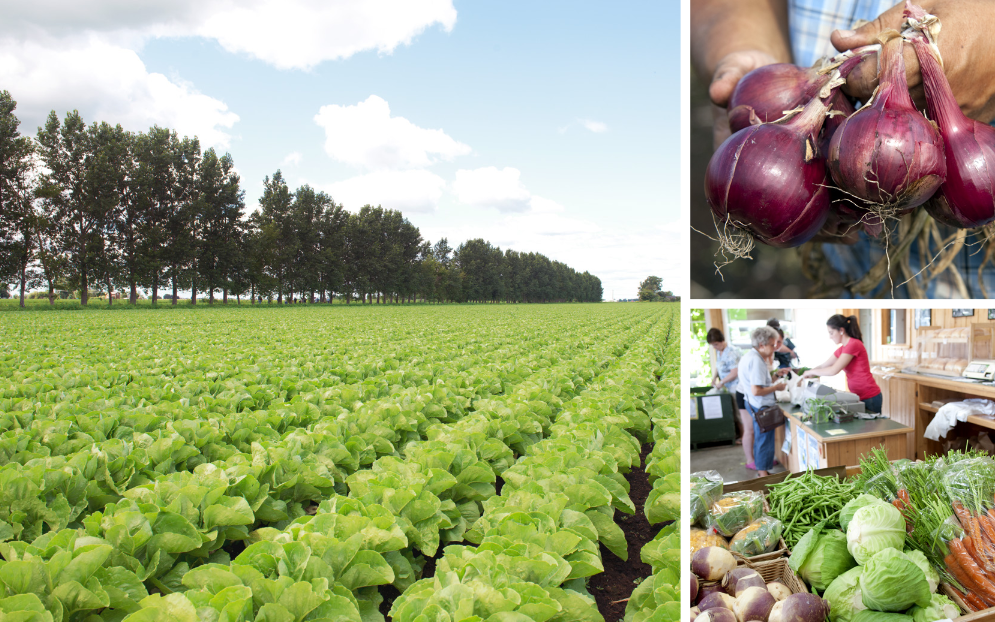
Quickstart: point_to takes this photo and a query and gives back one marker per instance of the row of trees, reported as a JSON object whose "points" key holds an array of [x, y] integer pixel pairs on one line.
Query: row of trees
{"points": [[651, 290], [96, 208]]}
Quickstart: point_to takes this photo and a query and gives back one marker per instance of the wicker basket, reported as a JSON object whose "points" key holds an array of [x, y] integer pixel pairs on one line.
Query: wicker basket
{"points": [[778, 570], [780, 551]]}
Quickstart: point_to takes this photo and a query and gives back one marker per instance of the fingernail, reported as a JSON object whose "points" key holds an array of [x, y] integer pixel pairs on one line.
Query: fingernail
{"points": [[846, 34]]}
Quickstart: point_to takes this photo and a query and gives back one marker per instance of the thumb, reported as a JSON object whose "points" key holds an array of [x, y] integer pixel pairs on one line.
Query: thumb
{"points": [[727, 76], [864, 78]]}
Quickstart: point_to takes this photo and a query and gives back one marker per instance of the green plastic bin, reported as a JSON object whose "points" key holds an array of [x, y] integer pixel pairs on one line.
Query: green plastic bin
{"points": [[706, 424]]}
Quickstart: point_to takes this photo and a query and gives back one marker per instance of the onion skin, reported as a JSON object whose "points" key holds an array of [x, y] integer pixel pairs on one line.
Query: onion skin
{"points": [[716, 615], [712, 563], [804, 607], [967, 198], [770, 91], [739, 579], [768, 180], [841, 108], [887, 153], [754, 603]]}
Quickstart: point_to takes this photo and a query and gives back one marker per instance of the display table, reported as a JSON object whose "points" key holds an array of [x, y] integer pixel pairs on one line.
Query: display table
{"points": [[820, 446], [917, 392]]}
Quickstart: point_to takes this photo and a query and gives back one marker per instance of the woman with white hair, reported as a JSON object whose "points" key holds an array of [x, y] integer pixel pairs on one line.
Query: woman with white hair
{"points": [[755, 383]]}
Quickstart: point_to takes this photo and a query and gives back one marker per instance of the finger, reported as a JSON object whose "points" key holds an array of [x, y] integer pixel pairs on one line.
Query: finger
{"points": [[867, 34], [727, 75]]}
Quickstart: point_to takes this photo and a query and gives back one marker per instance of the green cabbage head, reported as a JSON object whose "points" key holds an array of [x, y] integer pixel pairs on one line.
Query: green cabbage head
{"points": [[893, 582], [846, 514], [844, 597], [823, 559], [874, 528], [940, 608], [932, 577]]}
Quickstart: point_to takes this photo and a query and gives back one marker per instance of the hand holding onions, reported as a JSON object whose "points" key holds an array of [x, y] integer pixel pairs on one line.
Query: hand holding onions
{"points": [[769, 181]]}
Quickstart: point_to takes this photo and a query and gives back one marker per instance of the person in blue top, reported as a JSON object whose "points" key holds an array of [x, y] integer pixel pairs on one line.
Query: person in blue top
{"points": [[758, 391], [786, 352], [729, 38]]}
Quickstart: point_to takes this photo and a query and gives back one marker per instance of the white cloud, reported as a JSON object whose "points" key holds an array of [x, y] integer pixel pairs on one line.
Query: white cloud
{"points": [[595, 126], [299, 34], [416, 191], [293, 158], [107, 83], [366, 135], [289, 34], [492, 187]]}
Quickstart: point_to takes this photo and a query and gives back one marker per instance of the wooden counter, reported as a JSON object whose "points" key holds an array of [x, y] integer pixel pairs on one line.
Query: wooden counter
{"points": [[826, 445], [908, 398]]}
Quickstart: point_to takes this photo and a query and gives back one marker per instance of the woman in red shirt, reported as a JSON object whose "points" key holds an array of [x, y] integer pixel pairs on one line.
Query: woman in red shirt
{"points": [[850, 357]]}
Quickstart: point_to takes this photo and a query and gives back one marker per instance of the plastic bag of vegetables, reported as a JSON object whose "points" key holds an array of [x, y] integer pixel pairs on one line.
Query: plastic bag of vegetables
{"points": [[706, 488], [821, 556], [734, 510], [701, 538], [759, 537]]}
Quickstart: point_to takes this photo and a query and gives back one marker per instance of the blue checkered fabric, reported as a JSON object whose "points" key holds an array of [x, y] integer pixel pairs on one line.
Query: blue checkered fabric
{"points": [[812, 21]]}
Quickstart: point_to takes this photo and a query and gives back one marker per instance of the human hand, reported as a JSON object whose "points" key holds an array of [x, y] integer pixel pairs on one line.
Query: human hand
{"points": [[730, 69], [780, 386], [965, 44], [808, 374]]}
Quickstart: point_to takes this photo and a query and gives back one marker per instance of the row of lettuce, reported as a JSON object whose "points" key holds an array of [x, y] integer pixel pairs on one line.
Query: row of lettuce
{"points": [[296, 502]]}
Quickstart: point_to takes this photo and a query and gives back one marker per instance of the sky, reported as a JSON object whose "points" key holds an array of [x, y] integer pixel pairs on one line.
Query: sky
{"points": [[550, 127]]}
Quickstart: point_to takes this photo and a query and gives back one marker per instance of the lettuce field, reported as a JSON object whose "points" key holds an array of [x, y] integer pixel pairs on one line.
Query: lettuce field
{"points": [[280, 464]]}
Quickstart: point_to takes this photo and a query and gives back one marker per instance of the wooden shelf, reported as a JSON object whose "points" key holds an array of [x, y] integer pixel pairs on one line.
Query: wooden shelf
{"points": [[982, 421], [929, 407]]}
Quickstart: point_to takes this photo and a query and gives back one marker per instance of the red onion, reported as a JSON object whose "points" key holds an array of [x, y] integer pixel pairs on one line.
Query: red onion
{"points": [[768, 181], [770, 91], [887, 153], [840, 108], [967, 198]]}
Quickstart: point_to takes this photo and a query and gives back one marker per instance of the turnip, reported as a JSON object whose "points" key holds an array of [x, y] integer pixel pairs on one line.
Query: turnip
{"points": [[775, 612], [716, 600], [738, 579], [712, 563], [693, 614], [779, 591], [718, 614], [694, 587], [754, 603], [804, 607]]}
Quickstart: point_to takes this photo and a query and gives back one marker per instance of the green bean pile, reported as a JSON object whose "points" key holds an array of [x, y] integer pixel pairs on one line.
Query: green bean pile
{"points": [[801, 501]]}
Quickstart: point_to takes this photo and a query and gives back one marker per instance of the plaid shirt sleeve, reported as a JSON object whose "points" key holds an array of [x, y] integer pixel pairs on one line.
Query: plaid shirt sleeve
{"points": [[812, 21]]}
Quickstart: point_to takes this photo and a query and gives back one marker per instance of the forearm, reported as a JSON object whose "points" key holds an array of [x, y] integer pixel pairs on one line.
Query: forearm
{"points": [[720, 27], [762, 391]]}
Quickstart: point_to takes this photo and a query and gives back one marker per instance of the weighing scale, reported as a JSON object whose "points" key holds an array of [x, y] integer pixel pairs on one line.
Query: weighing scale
{"points": [[980, 370]]}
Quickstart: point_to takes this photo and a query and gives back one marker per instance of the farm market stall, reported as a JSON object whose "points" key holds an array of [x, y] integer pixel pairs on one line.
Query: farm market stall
{"points": [[346, 464]]}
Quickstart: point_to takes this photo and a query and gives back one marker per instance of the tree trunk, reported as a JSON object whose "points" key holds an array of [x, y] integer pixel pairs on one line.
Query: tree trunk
{"points": [[133, 296], [110, 293], [24, 268], [51, 294], [173, 300], [252, 294], [224, 296], [210, 296], [155, 288], [193, 292]]}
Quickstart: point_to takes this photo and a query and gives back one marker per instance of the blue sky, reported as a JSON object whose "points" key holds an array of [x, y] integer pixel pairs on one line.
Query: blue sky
{"points": [[539, 126]]}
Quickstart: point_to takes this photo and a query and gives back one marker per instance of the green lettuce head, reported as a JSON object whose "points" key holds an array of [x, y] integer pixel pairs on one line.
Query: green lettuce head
{"points": [[844, 597], [821, 556], [846, 514], [893, 582], [940, 608], [932, 577], [874, 528]]}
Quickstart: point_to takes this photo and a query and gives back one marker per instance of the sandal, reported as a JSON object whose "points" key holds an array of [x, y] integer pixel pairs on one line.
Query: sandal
{"points": [[751, 466]]}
